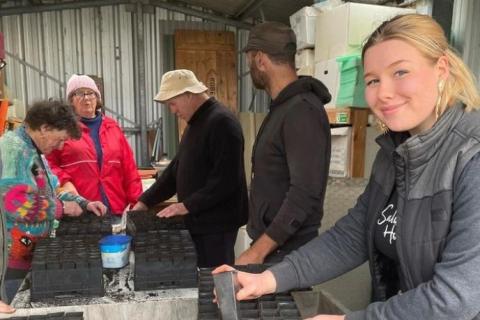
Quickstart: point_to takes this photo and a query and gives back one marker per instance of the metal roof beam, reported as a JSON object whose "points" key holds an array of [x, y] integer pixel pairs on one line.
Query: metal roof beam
{"points": [[98, 3], [247, 4], [201, 14], [251, 7]]}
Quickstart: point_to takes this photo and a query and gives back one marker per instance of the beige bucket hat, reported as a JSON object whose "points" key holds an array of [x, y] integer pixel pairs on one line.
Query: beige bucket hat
{"points": [[176, 82]]}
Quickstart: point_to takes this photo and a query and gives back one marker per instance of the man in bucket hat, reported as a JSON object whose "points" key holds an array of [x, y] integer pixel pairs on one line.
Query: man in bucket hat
{"points": [[207, 174], [291, 155]]}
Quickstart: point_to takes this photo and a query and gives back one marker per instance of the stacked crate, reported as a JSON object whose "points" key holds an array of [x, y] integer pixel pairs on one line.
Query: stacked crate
{"points": [[70, 265]]}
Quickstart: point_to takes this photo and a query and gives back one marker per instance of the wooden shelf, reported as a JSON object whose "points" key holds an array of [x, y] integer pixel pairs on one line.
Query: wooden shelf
{"points": [[357, 118]]}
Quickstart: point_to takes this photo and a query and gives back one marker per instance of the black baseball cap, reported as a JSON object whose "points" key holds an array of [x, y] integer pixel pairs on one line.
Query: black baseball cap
{"points": [[272, 38]]}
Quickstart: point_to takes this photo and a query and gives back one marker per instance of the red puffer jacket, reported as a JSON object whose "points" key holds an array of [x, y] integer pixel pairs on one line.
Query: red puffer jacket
{"points": [[77, 163]]}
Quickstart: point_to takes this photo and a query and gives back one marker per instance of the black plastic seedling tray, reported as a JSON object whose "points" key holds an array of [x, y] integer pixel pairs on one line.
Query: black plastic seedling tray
{"points": [[269, 307], [87, 223], [68, 265], [144, 221], [164, 259]]}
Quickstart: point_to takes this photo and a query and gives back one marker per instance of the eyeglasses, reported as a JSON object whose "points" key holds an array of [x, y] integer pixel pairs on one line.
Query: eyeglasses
{"points": [[2, 64], [86, 94]]}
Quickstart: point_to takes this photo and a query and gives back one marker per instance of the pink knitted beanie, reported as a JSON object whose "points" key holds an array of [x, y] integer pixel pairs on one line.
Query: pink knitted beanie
{"points": [[81, 81]]}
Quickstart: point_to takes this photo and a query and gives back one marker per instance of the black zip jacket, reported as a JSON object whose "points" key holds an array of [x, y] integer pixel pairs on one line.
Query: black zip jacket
{"points": [[208, 173], [290, 162]]}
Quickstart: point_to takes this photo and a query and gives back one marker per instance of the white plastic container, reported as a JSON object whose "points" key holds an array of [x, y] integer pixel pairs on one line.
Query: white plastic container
{"points": [[303, 24], [327, 72], [304, 57], [343, 29], [115, 250]]}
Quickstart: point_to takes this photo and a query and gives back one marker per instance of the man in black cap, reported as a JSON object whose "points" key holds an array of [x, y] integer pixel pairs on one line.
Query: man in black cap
{"points": [[291, 155]]}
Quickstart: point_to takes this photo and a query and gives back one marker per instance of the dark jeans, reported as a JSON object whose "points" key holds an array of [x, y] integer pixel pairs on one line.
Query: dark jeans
{"points": [[13, 280], [215, 249]]}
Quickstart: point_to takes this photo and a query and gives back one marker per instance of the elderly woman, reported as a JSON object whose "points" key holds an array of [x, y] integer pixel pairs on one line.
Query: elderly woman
{"points": [[100, 165], [29, 196], [418, 221]]}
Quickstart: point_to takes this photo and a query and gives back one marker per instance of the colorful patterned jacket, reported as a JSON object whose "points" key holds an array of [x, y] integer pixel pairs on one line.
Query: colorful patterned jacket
{"points": [[29, 196]]}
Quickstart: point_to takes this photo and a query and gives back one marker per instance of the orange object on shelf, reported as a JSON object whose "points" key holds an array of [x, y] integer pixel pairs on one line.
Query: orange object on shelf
{"points": [[147, 173], [3, 115]]}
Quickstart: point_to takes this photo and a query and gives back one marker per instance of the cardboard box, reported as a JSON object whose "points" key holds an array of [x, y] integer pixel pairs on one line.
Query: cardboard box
{"points": [[303, 24], [327, 72], [340, 157], [250, 123], [304, 57], [343, 29]]}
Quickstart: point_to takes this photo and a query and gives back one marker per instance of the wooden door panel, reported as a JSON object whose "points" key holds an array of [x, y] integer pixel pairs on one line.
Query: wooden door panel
{"points": [[211, 56]]}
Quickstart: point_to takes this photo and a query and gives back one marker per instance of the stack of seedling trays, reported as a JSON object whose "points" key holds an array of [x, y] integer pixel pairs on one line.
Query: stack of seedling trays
{"points": [[53, 316], [66, 266], [87, 223], [144, 221], [269, 307], [164, 259]]}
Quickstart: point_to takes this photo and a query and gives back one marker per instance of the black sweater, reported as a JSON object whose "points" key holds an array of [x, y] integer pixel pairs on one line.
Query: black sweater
{"points": [[291, 157], [207, 174]]}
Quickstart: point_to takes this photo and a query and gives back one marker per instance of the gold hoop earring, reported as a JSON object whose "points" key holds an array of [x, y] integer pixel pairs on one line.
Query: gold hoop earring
{"points": [[381, 126], [440, 86]]}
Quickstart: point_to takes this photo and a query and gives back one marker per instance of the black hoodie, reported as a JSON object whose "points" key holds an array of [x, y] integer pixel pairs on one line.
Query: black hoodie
{"points": [[290, 162]]}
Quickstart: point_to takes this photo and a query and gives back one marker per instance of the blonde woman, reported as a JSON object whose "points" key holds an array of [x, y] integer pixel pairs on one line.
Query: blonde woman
{"points": [[418, 221]]}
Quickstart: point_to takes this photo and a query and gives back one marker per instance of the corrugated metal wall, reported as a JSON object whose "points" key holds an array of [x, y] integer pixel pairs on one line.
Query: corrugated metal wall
{"points": [[45, 49], [466, 33]]}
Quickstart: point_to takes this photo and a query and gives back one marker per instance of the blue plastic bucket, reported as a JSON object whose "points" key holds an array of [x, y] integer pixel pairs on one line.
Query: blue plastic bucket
{"points": [[115, 250]]}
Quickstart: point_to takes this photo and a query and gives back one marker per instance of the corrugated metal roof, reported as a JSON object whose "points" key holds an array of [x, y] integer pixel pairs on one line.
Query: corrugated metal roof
{"points": [[274, 10]]}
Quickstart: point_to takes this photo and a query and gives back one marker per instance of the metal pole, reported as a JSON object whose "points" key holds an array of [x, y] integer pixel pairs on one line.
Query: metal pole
{"points": [[141, 83]]}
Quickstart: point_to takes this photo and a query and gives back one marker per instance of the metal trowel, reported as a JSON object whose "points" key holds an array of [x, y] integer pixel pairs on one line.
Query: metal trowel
{"points": [[226, 287]]}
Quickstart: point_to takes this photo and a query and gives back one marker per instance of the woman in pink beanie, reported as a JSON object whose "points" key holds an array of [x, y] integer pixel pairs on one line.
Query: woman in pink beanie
{"points": [[99, 166]]}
